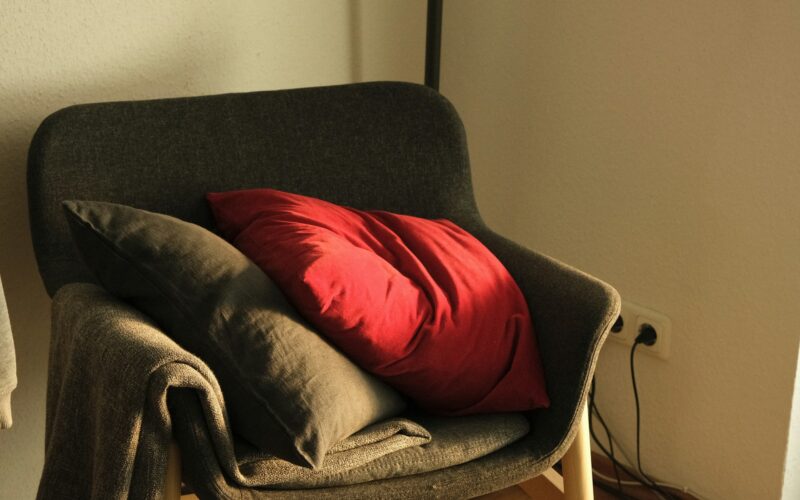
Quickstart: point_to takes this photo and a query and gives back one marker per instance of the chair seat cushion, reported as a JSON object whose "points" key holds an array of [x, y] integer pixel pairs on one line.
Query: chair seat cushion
{"points": [[420, 303], [455, 440], [287, 390]]}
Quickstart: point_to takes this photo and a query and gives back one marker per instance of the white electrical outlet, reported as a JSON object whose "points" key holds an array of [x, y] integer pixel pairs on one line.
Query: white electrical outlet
{"points": [[634, 317]]}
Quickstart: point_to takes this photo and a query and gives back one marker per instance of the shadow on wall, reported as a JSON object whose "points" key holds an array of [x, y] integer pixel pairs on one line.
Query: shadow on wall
{"points": [[356, 45], [386, 40]]}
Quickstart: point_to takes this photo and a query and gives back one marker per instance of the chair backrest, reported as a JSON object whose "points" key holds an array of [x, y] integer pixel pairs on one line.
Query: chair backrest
{"points": [[385, 145]]}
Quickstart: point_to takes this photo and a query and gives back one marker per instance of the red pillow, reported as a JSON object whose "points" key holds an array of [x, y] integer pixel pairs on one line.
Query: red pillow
{"points": [[420, 303]]}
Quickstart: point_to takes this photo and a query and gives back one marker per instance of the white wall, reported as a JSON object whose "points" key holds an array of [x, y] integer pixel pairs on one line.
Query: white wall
{"points": [[53, 54], [654, 144], [791, 474]]}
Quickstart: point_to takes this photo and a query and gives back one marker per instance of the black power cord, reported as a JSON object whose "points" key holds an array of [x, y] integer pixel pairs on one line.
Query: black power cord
{"points": [[647, 336], [619, 493], [594, 411]]}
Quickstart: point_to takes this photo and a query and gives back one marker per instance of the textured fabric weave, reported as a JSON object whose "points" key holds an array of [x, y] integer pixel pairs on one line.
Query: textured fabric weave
{"points": [[102, 442], [395, 146], [289, 392], [108, 424], [419, 303]]}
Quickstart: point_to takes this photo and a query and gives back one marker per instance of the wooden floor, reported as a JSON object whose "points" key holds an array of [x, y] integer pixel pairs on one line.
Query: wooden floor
{"points": [[540, 488]]}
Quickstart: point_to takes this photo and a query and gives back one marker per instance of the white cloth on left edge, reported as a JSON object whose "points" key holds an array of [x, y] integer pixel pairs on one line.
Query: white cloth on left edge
{"points": [[8, 364]]}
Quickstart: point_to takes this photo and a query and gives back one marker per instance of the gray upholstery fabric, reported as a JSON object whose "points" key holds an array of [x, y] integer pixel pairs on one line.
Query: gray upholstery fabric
{"points": [[392, 146], [119, 388], [453, 441], [289, 392], [399, 147]]}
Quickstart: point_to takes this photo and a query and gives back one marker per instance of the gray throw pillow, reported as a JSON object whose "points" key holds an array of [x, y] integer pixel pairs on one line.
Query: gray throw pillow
{"points": [[288, 391]]}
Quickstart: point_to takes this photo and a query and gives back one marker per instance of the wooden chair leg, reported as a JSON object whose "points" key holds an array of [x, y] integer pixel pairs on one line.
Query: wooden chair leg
{"points": [[577, 464], [172, 480]]}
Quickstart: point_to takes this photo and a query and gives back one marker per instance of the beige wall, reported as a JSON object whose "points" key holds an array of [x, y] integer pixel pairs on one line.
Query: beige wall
{"points": [[53, 54], [654, 144]]}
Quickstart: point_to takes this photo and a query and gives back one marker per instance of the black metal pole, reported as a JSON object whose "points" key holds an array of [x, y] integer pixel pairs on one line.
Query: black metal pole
{"points": [[433, 44]]}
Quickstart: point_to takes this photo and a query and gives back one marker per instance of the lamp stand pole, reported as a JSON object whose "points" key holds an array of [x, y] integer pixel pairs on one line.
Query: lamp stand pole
{"points": [[433, 44]]}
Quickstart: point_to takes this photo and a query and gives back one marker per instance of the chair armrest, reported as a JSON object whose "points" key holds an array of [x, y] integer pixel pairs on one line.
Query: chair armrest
{"points": [[572, 313], [108, 430]]}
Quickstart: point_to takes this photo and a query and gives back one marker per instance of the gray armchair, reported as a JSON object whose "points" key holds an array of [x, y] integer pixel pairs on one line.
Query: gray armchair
{"points": [[391, 146]]}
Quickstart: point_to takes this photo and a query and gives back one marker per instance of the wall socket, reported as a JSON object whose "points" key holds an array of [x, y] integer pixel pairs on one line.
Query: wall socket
{"points": [[634, 317]]}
